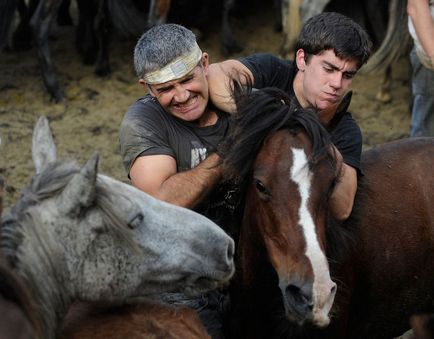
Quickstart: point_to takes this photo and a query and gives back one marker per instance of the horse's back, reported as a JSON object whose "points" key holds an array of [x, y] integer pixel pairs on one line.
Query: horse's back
{"points": [[395, 237], [145, 320]]}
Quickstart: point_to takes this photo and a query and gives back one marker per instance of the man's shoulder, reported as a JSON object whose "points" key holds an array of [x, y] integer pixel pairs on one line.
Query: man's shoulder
{"points": [[262, 58]]}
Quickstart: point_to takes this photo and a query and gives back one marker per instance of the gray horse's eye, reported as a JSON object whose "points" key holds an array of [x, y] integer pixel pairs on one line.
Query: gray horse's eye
{"points": [[135, 221]]}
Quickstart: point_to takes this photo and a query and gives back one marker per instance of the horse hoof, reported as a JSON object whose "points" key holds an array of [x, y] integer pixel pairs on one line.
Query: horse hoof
{"points": [[384, 98]]}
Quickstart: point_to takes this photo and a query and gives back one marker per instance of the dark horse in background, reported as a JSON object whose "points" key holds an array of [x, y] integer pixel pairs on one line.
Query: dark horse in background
{"points": [[300, 274], [95, 20]]}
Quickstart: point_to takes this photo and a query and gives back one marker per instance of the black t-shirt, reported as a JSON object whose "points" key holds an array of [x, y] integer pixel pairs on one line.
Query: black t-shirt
{"points": [[270, 71]]}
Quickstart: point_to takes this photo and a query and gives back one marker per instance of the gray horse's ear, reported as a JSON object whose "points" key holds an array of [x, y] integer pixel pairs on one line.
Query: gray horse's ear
{"points": [[43, 147], [81, 190]]}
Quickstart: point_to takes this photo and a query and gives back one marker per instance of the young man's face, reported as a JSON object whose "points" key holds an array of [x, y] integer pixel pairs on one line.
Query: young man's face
{"points": [[324, 79], [187, 97]]}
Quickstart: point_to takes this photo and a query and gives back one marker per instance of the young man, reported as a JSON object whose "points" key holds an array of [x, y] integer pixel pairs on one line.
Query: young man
{"points": [[330, 50]]}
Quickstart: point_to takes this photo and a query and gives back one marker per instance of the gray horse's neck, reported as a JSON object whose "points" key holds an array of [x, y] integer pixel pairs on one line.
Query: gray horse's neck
{"points": [[40, 264]]}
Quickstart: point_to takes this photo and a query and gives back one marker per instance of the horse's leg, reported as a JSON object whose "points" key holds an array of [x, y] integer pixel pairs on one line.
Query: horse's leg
{"points": [[22, 37], [64, 17], [102, 31], [86, 41], [40, 24], [277, 11], [158, 11], [291, 22], [7, 11], [229, 44], [2, 186], [383, 94]]}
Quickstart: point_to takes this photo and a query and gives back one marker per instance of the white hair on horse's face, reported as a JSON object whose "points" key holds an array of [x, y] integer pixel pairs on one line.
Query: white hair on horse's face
{"points": [[323, 291]]}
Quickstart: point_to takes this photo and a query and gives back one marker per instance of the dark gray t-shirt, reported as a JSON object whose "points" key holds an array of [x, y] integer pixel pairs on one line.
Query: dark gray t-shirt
{"points": [[147, 129]]}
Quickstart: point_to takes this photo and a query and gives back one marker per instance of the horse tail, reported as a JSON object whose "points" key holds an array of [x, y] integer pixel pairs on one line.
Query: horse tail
{"points": [[7, 10], [126, 17], [396, 42]]}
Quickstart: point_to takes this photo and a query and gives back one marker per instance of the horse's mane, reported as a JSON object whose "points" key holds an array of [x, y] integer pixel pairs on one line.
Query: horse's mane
{"points": [[51, 181], [259, 114], [12, 288]]}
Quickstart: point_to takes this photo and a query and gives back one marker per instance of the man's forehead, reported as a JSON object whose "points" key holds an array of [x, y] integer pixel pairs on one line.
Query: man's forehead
{"points": [[175, 81], [175, 69], [345, 64]]}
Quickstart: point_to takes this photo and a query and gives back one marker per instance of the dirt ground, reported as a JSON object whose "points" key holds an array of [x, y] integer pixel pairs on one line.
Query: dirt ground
{"points": [[88, 120]]}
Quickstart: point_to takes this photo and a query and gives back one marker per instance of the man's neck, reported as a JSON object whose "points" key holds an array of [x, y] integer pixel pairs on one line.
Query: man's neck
{"points": [[208, 118]]}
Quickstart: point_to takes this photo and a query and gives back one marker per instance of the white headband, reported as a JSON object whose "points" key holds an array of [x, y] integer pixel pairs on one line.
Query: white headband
{"points": [[175, 69]]}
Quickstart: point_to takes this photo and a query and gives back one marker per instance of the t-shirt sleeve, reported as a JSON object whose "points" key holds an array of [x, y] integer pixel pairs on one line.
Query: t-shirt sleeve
{"points": [[142, 132], [269, 71], [347, 138]]}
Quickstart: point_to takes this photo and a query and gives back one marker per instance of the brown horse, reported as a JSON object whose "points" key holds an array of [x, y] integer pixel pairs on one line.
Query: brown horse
{"points": [[292, 254], [136, 321]]}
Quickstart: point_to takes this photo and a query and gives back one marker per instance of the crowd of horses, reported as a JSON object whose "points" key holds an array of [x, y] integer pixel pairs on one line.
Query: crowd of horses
{"points": [[83, 255], [383, 19]]}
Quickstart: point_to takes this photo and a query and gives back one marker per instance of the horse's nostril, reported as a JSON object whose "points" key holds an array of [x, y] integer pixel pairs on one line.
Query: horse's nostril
{"points": [[299, 297], [231, 252], [333, 289]]}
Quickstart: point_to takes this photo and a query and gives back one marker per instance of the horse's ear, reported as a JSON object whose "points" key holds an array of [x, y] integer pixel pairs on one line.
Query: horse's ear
{"points": [[43, 147], [81, 190]]}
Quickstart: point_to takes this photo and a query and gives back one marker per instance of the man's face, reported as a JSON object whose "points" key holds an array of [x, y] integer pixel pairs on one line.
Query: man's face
{"points": [[187, 97], [324, 79]]}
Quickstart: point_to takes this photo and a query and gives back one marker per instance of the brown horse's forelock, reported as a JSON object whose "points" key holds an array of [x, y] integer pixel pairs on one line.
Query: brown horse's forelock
{"points": [[47, 184], [259, 114]]}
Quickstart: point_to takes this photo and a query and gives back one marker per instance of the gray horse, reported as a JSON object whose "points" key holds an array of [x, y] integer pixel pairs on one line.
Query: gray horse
{"points": [[75, 234]]}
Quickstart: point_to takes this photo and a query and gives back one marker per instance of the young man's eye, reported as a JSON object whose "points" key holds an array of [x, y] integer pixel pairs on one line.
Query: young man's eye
{"points": [[349, 76]]}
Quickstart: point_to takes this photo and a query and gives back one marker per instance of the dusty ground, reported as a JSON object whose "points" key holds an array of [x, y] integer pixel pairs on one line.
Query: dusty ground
{"points": [[88, 120]]}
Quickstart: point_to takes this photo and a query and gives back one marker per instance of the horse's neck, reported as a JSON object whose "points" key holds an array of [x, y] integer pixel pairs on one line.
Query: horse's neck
{"points": [[41, 263]]}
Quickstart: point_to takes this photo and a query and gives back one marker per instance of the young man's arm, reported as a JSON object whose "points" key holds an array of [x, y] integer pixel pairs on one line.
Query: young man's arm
{"points": [[157, 175], [342, 198], [219, 80]]}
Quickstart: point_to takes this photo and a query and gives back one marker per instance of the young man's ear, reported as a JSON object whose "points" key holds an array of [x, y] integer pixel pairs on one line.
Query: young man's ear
{"points": [[300, 59]]}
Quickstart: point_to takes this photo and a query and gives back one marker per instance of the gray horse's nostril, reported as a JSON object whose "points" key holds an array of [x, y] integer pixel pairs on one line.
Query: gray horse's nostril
{"points": [[231, 251]]}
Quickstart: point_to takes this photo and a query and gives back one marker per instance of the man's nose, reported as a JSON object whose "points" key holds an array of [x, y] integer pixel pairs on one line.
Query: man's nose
{"points": [[336, 80], [181, 94]]}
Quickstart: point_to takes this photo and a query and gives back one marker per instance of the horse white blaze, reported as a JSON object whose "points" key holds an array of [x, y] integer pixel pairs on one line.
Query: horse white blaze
{"points": [[323, 286]]}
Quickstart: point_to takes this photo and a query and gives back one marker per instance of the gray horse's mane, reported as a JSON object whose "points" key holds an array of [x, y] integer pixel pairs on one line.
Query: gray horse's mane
{"points": [[50, 182]]}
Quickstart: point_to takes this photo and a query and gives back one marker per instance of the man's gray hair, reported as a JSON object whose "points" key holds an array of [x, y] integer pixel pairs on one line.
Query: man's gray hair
{"points": [[160, 45]]}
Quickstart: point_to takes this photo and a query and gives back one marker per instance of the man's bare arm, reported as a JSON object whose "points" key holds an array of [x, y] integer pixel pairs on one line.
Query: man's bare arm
{"points": [[419, 12], [220, 76], [342, 198], [157, 175]]}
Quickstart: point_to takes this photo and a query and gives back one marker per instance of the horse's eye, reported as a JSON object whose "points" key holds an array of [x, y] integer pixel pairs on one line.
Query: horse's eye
{"points": [[135, 221], [261, 187]]}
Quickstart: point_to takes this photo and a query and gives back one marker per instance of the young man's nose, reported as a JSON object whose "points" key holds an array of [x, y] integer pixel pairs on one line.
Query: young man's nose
{"points": [[336, 80]]}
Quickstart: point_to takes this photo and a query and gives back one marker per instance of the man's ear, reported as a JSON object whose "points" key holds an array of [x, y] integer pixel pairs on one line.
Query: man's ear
{"points": [[300, 59], [146, 86], [205, 61]]}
